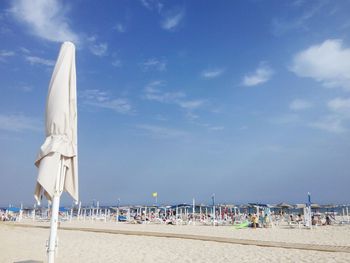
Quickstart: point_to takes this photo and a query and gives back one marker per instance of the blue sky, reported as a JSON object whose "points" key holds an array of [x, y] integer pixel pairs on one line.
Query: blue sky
{"points": [[245, 99]]}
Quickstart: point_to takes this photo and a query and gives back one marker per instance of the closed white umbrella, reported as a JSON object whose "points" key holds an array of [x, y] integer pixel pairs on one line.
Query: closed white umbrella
{"points": [[57, 159]]}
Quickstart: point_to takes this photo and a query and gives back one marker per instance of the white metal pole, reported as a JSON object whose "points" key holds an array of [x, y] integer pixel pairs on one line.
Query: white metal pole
{"points": [[53, 229], [54, 214], [193, 208], [79, 210], [177, 214], [33, 213], [71, 215]]}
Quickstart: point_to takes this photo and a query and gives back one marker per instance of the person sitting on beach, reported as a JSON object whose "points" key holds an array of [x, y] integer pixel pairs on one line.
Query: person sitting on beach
{"points": [[328, 220], [255, 221], [291, 218], [299, 219]]}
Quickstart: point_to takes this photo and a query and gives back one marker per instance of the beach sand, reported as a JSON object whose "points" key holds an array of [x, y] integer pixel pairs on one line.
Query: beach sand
{"points": [[27, 244]]}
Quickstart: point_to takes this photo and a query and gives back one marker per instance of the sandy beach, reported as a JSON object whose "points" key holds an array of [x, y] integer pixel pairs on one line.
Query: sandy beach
{"points": [[27, 244]]}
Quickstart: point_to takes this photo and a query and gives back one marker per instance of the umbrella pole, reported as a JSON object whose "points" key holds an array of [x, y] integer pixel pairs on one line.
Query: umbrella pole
{"points": [[53, 230], [54, 215]]}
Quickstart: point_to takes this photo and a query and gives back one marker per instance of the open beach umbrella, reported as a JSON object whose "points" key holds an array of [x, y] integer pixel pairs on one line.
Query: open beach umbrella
{"points": [[57, 158]]}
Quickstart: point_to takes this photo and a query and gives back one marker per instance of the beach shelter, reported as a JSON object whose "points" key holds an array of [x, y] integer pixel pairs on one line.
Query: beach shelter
{"points": [[57, 158]]}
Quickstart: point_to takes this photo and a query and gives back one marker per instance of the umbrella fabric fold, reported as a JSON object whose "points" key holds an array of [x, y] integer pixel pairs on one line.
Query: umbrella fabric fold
{"points": [[61, 130]]}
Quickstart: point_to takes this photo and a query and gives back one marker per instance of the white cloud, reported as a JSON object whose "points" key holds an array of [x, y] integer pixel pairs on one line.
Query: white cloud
{"points": [[152, 4], [216, 128], [154, 64], [285, 119], [119, 105], [120, 28], [46, 19], [101, 99], [25, 50], [98, 49], [261, 75], [191, 116], [330, 123], [282, 26], [340, 106], [117, 63], [299, 104], [171, 21], [26, 88], [5, 54], [160, 132], [338, 119], [328, 63], [213, 73], [153, 92], [19, 123], [191, 104], [37, 60]]}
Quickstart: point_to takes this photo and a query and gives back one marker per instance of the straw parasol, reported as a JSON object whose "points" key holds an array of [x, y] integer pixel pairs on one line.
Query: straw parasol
{"points": [[57, 158]]}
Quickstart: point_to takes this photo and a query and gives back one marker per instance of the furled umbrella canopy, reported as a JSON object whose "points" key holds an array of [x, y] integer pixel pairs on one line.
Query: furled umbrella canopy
{"points": [[61, 130]]}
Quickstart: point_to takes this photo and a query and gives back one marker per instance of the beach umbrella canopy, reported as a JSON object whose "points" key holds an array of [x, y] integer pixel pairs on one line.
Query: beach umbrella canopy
{"points": [[61, 130], [284, 205], [328, 206], [57, 158], [299, 206], [315, 206], [13, 209]]}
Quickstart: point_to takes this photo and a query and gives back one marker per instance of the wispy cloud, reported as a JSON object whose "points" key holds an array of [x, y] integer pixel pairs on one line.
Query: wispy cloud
{"points": [[24, 50], [153, 92], [101, 99], [41, 61], [327, 63], [212, 73], [19, 123], [46, 19], [96, 48], [5, 54], [121, 28], [337, 120], [160, 132], [330, 123], [281, 26], [172, 20], [285, 119], [154, 64], [191, 104], [117, 63], [216, 128], [152, 5], [261, 75], [340, 106], [300, 104]]}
